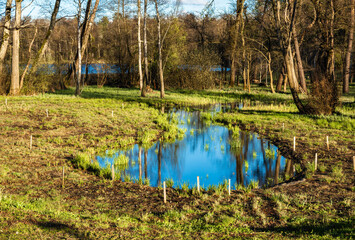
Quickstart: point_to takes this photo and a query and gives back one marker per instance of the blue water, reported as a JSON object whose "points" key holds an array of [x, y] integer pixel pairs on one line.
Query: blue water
{"points": [[206, 152], [96, 68]]}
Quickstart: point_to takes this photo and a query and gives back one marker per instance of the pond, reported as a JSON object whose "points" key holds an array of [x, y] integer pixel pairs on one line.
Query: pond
{"points": [[212, 152]]}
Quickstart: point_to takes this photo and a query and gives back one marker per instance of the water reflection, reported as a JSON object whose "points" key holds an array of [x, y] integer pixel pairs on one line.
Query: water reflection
{"points": [[212, 152]]}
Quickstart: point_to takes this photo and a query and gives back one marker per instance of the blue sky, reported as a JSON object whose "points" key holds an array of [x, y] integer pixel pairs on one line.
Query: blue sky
{"points": [[198, 5]]}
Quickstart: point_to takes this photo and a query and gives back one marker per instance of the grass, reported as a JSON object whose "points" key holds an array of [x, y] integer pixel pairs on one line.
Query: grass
{"points": [[34, 205]]}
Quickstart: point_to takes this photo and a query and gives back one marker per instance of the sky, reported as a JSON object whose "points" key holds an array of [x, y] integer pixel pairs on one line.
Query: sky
{"points": [[194, 6], [198, 5]]}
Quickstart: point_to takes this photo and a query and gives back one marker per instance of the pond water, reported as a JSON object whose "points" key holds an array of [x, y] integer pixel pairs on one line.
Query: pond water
{"points": [[212, 152]]}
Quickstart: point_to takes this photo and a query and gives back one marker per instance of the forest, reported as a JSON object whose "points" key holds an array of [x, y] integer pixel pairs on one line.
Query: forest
{"points": [[304, 44], [177, 119]]}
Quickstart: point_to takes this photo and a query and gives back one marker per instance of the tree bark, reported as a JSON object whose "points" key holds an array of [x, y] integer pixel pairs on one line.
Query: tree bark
{"points": [[145, 44], [160, 61], [349, 49], [6, 34], [29, 59], [15, 71], [139, 47], [44, 44], [235, 36], [78, 75], [271, 77], [299, 61]]}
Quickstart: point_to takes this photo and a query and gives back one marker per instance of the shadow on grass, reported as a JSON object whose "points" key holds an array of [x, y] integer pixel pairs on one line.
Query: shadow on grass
{"points": [[128, 94], [60, 227], [342, 230]]}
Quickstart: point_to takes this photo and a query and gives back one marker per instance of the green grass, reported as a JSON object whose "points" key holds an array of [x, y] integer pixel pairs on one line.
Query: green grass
{"points": [[33, 204]]}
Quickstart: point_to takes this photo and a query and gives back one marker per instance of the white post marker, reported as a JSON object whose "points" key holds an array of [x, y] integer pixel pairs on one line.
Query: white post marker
{"points": [[6, 102], [229, 187], [47, 112], [112, 114], [113, 173], [315, 162], [327, 142], [164, 189], [198, 184], [31, 142], [294, 144], [283, 127], [354, 162]]}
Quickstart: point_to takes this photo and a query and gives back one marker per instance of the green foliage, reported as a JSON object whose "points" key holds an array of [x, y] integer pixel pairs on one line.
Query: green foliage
{"points": [[169, 183]]}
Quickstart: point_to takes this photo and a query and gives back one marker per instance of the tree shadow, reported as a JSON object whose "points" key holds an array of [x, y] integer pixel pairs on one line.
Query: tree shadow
{"points": [[51, 225], [342, 229]]}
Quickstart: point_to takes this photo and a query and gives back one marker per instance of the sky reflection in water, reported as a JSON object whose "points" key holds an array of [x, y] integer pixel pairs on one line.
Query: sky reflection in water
{"points": [[205, 152]]}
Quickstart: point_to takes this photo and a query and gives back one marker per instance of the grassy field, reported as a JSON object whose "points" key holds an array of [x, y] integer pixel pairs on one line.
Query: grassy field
{"points": [[34, 204]]}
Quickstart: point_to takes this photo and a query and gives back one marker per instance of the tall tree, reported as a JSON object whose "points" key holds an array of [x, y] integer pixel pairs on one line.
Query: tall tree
{"points": [[235, 33], [15, 68], [349, 48], [44, 44], [160, 61], [6, 34], [78, 74], [145, 45], [139, 47]]}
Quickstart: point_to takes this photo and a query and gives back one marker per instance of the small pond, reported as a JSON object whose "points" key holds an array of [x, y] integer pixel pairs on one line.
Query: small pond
{"points": [[212, 152]]}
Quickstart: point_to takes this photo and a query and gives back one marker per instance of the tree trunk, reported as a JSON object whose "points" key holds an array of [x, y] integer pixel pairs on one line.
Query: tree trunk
{"points": [[15, 71], [145, 78], [299, 61], [44, 44], [6, 34], [349, 49], [271, 77], [139, 47], [85, 32], [161, 77], [235, 34], [78, 68], [232, 80], [29, 59]]}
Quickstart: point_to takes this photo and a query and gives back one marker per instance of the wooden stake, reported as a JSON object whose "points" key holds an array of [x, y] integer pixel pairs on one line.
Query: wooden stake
{"points": [[327, 142], [315, 162], [112, 114], [47, 112], [229, 187], [63, 178], [283, 127], [198, 184], [294, 144], [31, 142], [354, 162], [164, 188], [6, 102], [113, 173]]}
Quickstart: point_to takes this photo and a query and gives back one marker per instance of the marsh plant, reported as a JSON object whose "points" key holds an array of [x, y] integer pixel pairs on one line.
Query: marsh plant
{"points": [[169, 182], [253, 184]]}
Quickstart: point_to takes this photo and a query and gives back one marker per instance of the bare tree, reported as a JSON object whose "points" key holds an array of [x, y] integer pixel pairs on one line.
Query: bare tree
{"points": [[160, 61], [44, 44], [139, 47], [6, 34], [349, 49], [78, 75], [145, 44], [235, 33], [15, 68]]}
